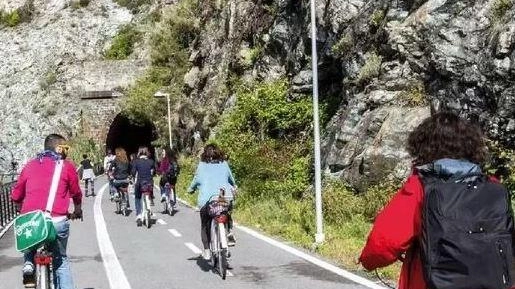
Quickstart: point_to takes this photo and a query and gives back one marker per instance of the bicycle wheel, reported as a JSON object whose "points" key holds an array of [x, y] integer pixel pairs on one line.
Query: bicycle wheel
{"points": [[170, 201], [42, 277], [124, 204], [118, 206], [147, 212], [222, 259]]}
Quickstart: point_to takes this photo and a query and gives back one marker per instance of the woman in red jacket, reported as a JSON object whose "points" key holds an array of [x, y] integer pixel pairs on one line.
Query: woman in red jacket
{"points": [[444, 144]]}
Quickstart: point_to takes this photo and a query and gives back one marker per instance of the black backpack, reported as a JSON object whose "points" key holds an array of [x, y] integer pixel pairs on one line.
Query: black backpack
{"points": [[466, 240], [173, 171]]}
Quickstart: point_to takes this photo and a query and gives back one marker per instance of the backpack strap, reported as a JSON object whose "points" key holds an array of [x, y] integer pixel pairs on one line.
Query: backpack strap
{"points": [[469, 177], [53, 187]]}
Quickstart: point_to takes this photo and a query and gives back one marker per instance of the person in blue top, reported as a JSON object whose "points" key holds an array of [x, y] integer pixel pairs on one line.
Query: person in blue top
{"points": [[212, 174]]}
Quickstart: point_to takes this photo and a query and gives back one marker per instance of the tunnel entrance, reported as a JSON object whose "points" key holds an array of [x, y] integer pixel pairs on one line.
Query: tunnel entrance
{"points": [[128, 135]]}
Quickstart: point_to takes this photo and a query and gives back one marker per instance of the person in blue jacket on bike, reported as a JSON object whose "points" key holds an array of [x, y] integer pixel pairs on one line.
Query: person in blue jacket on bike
{"points": [[213, 173]]}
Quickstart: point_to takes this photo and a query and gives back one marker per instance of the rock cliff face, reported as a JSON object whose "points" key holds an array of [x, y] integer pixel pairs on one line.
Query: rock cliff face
{"points": [[383, 66], [46, 63]]}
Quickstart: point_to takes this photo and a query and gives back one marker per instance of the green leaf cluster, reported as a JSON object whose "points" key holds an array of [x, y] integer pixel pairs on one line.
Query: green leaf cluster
{"points": [[123, 43], [265, 110], [174, 34], [371, 68], [135, 6], [499, 8], [10, 19], [83, 145]]}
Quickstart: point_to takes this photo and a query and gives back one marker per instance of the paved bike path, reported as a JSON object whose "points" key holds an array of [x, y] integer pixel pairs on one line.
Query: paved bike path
{"points": [[158, 258]]}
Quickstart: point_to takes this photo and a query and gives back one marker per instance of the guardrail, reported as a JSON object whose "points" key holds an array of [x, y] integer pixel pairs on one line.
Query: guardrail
{"points": [[7, 207]]}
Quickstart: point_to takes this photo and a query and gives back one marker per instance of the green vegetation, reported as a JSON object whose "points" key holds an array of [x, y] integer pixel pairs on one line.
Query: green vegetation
{"points": [[10, 19], [49, 79], [268, 140], [500, 8], [82, 145], [251, 55], [371, 68], [377, 17], [414, 95], [17, 16], [343, 45], [502, 163], [134, 6], [123, 43]]}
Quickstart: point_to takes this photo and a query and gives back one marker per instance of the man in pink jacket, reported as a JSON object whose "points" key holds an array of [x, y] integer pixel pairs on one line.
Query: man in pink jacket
{"points": [[31, 192]]}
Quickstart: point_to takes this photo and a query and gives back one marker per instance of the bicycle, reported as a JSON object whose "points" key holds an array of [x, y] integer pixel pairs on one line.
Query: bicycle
{"points": [[219, 212], [168, 203], [43, 261], [122, 199], [147, 191]]}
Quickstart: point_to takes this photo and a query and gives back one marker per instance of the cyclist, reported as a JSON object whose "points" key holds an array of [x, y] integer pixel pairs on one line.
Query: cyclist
{"points": [[169, 170], [143, 169], [120, 170], [443, 144], [108, 159], [31, 192], [88, 175], [212, 173]]}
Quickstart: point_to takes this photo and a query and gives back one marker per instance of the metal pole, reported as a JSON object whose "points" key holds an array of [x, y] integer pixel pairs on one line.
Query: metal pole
{"points": [[319, 237], [169, 121]]}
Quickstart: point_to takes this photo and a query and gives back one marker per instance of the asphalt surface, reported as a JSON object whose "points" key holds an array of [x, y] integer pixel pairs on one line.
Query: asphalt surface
{"points": [[160, 259]]}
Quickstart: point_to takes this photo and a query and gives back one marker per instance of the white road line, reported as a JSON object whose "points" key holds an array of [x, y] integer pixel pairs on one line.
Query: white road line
{"points": [[338, 271], [175, 233], [193, 248], [114, 271], [6, 228], [311, 259], [161, 221]]}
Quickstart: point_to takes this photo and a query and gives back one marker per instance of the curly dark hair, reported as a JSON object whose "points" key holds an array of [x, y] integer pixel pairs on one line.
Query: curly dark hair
{"points": [[212, 154], [446, 135]]}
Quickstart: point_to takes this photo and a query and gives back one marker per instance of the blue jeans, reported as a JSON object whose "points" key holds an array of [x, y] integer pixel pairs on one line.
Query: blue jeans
{"points": [[62, 272], [165, 191]]}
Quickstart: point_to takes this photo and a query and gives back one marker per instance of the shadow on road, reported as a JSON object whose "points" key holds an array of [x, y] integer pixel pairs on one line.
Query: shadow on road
{"points": [[203, 264]]}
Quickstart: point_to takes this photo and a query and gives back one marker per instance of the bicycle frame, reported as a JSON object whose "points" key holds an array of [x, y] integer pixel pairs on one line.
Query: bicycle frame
{"points": [[121, 201], [218, 243], [169, 191]]}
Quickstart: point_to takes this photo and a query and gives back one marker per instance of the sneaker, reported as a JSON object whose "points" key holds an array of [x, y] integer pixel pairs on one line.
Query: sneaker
{"points": [[229, 267], [206, 254], [29, 280], [139, 223], [231, 241], [163, 199]]}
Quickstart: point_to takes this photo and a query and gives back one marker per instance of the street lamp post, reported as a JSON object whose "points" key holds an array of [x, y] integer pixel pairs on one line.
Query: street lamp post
{"points": [[319, 237], [160, 94]]}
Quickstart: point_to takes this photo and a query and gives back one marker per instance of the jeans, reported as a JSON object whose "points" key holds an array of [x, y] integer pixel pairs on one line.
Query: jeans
{"points": [[62, 272], [92, 182], [174, 193]]}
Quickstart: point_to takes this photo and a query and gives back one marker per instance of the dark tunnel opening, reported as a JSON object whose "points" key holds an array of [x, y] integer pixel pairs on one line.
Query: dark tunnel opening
{"points": [[130, 136]]}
